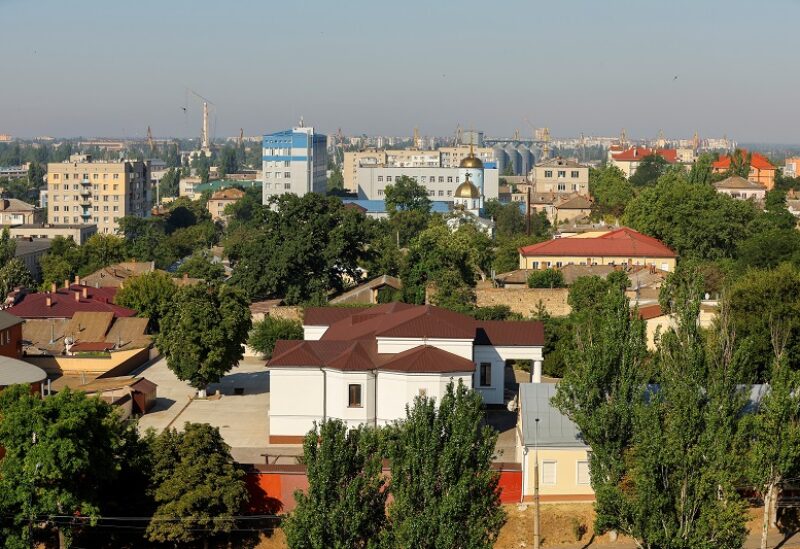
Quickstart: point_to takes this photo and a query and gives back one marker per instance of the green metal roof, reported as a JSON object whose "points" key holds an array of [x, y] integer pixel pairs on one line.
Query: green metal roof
{"points": [[220, 184]]}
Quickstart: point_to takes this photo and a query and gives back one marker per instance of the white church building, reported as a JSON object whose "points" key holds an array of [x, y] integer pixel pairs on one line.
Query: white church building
{"points": [[364, 366]]}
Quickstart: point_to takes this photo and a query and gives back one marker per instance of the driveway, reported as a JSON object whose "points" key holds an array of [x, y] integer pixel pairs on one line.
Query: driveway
{"points": [[238, 405]]}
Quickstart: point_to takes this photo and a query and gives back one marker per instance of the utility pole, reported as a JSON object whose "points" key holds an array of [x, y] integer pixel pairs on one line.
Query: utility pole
{"points": [[536, 519], [528, 214]]}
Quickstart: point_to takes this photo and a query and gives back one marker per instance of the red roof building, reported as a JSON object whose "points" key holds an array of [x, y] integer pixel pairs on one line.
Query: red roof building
{"points": [[629, 160], [365, 365], [65, 302], [623, 247], [761, 169]]}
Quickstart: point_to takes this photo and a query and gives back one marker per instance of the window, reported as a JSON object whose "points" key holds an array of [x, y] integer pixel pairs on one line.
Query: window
{"points": [[388, 178], [380, 179], [562, 187], [55, 208], [441, 193], [486, 374], [354, 395], [287, 175], [116, 176], [95, 176], [380, 192], [55, 176], [574, 174], [55, 187], [548, 173], [55, 219], [582, 473], [287, 186], [441, 179], [449, 193], [449, 179], [549, 473], [562, 173], [96, 208]]}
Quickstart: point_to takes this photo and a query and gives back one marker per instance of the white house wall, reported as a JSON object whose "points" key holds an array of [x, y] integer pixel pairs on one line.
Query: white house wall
{"points": [[296, 399], [394, 345], [497, 356], [396, 390], [314, 333]]}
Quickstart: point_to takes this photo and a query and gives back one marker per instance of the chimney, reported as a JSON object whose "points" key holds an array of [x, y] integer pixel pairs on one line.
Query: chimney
{"points": [[53, 288], [77, 279], [66, 283], [48, 301], [77, 297], [85, 292]]}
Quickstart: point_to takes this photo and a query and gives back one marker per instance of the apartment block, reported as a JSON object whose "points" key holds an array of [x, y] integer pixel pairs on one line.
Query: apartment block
{"points": [[85, 192], [559, 175], [294, 161]]}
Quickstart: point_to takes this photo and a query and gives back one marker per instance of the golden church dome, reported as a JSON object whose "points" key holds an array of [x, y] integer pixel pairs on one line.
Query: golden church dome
{"points": [[471, 161], [467, 190]]}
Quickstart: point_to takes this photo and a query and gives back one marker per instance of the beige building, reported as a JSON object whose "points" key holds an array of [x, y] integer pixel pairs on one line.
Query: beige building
{"points": [[446, 157], [220, 200], [79, 233], [554, 441], [81, 191], [451, 157], [558, 175], [741, 188], [622, 247], [17, 212]]}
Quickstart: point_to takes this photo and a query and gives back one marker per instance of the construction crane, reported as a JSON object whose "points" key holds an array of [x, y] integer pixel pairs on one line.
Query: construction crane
{"points": [[241, 138], [150, 142], [458, 136], [205, 137]]}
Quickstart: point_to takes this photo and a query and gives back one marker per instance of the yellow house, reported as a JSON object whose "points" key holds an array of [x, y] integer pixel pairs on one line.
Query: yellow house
{"points": [[623, 247], [553, 439]]}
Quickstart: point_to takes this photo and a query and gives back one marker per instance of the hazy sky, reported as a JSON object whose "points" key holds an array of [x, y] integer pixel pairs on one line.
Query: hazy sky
{"points": [[112, 67]]}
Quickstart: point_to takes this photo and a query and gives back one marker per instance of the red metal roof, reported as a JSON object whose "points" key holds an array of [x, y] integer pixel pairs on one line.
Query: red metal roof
{"points": [[639, 153], [757, 161], [650, 311], [64, 305], [622, 242], [426, 359]]}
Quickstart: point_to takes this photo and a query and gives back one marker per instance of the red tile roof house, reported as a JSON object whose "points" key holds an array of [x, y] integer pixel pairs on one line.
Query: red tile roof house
{"points": [[364, 366], [761, 169], [623, 247], [65, 302], [628, 160]]}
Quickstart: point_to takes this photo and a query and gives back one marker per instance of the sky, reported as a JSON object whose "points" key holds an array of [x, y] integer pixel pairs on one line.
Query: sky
{"points": [[113, 68]]}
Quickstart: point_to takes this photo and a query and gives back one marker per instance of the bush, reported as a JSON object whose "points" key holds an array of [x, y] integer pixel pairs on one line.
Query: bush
{"points": [[547, 278], [266, 332]]}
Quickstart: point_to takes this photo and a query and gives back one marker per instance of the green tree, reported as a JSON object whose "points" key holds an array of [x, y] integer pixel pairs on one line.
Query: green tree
{"points": [[774, 431], [170, 183], [151, 295], [605, 371], [546, 278], [438, 256], [344, 506], [228, 163], [203, 334], [694, 220], [650, 169], [199, 488], [8, 247], [740, 164], [335, 180], [266, 332], [300, 249], [508, 218], [101, 250], [61, 454], [14, 274], [506, 253], [406, 195], [36, 173], [198, 265], [702, 169], [760, 299], [445, 491], [610, 189]]}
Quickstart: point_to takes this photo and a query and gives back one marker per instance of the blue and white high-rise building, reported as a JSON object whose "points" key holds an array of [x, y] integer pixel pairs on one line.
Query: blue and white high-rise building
{"points": [[294, 161]]}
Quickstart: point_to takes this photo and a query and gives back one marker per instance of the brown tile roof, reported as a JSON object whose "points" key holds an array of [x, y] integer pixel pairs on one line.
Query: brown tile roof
{"points": [[7, 320], [622, 242], [519, 276], [736, 182], [114, 275], [575, 202], [498, 333], [263, 307], [426, 359], [574, 272], [231, 193], [650, 311], [90, 332], [325, 316], [64, 305]]}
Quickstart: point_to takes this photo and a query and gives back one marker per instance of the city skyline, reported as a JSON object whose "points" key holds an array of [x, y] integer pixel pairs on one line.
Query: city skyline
{"points": [[721, 68]]}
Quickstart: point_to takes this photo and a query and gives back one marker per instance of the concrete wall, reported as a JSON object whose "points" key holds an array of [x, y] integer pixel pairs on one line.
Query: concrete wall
{"points": [[566, 487], [524, 300]]}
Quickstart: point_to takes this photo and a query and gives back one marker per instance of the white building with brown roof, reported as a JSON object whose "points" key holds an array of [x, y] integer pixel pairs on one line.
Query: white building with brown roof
{"points": [[221, 199], [364, 366], [739, 187], [17, 212]]}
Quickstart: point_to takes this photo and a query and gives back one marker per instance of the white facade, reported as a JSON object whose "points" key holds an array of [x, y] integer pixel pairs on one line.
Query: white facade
{"points": [[440, 182], [294, 161]]}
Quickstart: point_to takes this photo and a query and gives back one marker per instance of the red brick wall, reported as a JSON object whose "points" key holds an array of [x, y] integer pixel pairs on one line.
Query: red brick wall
{"points": [[13, 348], [272, 488]]}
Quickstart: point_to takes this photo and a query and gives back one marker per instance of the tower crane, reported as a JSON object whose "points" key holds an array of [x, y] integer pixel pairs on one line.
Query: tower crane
{"points": [[205, 138], [150, 141]]}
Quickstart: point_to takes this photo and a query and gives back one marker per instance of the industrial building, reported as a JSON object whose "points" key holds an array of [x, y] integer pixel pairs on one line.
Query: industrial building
{"points": [[294, 161]]}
